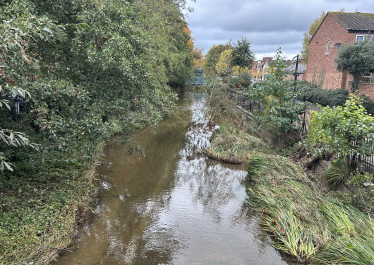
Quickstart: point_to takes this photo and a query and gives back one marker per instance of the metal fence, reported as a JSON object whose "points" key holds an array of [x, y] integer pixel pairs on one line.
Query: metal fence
{"points": [[366, 162]]}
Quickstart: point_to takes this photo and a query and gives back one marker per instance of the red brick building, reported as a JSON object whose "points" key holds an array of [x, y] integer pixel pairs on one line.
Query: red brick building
{"points": [[336, 29]]}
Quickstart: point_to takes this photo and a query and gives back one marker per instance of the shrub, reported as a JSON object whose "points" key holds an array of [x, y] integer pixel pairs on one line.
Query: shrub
{"points": [[241, 81], [345, 130], [278, 110], [312, 93], [368, 104]]}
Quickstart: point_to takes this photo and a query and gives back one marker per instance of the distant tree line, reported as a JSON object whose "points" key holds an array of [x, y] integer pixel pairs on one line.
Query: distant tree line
{"points": [[229, 58]]}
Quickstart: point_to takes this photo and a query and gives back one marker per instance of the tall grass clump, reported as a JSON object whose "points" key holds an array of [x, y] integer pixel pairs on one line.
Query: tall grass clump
{"points": [[305, 223], [233, 145]]}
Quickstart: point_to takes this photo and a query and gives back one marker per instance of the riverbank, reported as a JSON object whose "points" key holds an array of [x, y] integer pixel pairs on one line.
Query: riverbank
{"points": [[39, 219], [307, 220], [173, 205]]}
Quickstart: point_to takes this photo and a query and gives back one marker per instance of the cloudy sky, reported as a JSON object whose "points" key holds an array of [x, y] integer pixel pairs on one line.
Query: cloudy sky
{"points": [[269, 24]]}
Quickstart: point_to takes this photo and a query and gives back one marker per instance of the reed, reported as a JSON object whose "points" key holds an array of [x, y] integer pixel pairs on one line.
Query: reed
{"points": [[307, 224]]}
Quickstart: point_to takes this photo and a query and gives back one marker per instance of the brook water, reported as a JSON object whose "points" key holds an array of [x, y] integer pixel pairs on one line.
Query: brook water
{"points": [[172, 206]]}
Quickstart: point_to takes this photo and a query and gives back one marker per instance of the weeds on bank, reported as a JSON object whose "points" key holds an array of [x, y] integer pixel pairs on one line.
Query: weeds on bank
{"points": [[233, 145], [38, 219], [306, 224]]}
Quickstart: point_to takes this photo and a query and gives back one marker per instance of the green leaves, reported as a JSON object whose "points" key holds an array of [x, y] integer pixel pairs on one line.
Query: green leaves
{"points": [[345, 130], [357, 58], [278, 110]]}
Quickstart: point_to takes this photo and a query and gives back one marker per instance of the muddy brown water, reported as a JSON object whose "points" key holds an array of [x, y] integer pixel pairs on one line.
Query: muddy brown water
{"points": [[172, 206]]}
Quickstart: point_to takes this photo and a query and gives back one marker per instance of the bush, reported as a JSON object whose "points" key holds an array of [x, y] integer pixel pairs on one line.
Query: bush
{"points": [[368, 104], [241, 81], [312, 93], [337, 97]]}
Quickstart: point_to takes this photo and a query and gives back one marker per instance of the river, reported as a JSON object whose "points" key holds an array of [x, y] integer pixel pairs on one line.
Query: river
{"points": [[172, 206]]}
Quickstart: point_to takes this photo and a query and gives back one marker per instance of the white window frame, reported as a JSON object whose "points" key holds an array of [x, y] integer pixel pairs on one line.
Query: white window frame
{"points": [[366, 37], [368, 77], [363, 38], [328, 47]]}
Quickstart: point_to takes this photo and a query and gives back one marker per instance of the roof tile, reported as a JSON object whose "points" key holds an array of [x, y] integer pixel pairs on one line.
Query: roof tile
{"points": [[355, 21]]}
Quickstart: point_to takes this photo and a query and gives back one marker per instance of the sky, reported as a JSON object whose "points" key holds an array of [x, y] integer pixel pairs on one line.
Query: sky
{"points": [[269, 24]]}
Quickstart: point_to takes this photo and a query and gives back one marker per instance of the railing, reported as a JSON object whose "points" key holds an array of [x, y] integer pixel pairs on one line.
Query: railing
{"points": [[253, 105], [366, 162]]}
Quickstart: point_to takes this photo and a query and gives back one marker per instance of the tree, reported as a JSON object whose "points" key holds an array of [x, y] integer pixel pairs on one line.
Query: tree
{"points": [[309, 34], [16, 37], [101, 68], [242, 55], [357, 58], [223, 66], [197, 53], [278, 109], [198, 57], [213, 55]]}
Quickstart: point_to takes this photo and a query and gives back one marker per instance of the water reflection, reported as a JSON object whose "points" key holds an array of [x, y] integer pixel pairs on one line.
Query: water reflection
{"points": [[172, 206]]}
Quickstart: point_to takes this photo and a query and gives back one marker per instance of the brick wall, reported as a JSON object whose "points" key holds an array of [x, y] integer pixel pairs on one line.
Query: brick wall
{"points": [[365, 88], [319, 62]]}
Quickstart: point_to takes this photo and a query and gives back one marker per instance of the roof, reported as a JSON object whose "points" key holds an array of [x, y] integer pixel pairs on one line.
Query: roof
{"points": [[291, 68], [351, 21], [355, 21]]}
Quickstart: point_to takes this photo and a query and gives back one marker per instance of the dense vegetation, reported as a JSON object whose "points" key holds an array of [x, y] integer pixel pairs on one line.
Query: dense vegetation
{"points": [[307, 218], [84, 71], [278, 110], [307, 223], [230, 58], [333, 97]]}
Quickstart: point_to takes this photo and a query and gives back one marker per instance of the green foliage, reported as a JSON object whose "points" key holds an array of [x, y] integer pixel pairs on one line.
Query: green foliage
{"points": [[309, 225], [308, 36], [94, 69], [212, 57], [356, 58], [329, 97], [242, 55], [338, 173], [367, 103], [314, 94], [278, 109], [242, 81], [344, 130]]}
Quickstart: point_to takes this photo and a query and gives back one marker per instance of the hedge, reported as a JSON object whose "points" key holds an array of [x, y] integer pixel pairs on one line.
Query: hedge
{"points": [[335, 97]]}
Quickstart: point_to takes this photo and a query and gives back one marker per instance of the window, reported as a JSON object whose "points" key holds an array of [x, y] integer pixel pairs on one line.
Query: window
{"points": [[364, 37], [328, 47], [359, 38], [367, 77]]}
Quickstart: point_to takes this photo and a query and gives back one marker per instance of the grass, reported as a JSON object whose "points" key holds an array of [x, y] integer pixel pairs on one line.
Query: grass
{"points": [[39, 219], [307, 224], [234, 145], [338, 173]]}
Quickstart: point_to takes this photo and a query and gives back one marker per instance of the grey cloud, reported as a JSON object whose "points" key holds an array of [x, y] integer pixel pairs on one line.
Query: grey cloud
{"points": [[268, 23]]}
